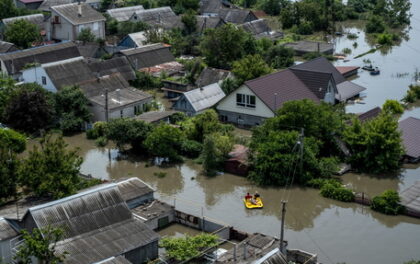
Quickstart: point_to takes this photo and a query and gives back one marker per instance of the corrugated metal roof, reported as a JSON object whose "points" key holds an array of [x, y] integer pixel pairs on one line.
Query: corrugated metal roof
{"points": [[17, 60], [236, 16], [37, 19], [148, 56], [70, 12], [115, 65], [103, 243], [47, 4], [205, 22], [124, 13], [205, 97], [114, 260], [84, 212], [154, 116], [6, 231], [7, 47], [310, 46], [211, 75], [410, 197], [119, 97], [154, 14], [347, 90], [256, 27], [410, 128]]}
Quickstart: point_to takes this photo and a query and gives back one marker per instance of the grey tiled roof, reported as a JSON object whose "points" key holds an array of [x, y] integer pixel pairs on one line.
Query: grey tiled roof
{"points": [[70, 13], [410, 128], [115, 260], [256, 27], [148, 56], [236, 16], [211, 75], [316, 81], [347, 90], [205, 22], [132, 188], [37, 19], [124, 13], [370, 114]]}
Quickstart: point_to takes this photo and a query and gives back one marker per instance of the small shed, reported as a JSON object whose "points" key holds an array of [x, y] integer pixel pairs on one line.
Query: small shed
{"points": [[238, 160], [347, 90], [7, 47], [347, 71], [7, 234], [156, 116], [410, 128], [410, 198], [135, 192], [212, 75], [134, 40], [303, 47], [155, 214]]}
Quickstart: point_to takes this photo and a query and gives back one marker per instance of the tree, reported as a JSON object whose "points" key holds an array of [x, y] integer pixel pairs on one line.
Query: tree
{"points": [[126, 27], [393, 107], [216, 148], [280, 57], [127, 131], [229, 85], [276, 159], [41, 244], [22, 33], [388, 203], [223, 45], [184, 248], [398, 12], [190, 22], [72, 108], [375, 145], [30, 108], [250, 67], [375, 24], [86, 35], [51, 170], [8, 9], [165, 141], [7, 86], [12, 140]]}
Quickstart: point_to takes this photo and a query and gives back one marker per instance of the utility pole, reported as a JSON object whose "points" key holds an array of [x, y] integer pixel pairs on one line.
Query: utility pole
{"points": [[283, 215]]}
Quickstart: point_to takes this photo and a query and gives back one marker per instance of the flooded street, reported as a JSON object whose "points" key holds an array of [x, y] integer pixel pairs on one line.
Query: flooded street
{"points": [[336, 231], [397, 64]]}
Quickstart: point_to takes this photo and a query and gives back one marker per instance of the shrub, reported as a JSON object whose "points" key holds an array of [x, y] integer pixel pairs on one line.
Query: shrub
{"points": [[98, 130], [388, 203], [393, 107], [352, 36], [191, 148], [385, 39], [305, 28], [347, 51], [101, 141], [375, 24], [340, 193], [319, 182]]}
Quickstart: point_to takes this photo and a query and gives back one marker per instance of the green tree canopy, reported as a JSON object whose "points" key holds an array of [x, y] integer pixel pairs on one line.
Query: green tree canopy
{"points": [[127, 131], [165, 141], [280, 57], [86, 35], [393, 107], [375, 145], [9, 165], [224, 45], [41, 244], [250, 67], [52, 169], [22, 33], [216, 148], [7, 86], [30, 108], [12, 140], [72, 108], [189, 20]]}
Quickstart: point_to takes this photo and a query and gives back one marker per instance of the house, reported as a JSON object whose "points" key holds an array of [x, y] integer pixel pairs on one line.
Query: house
{"points": [[410, 129], [156, 116], [162, 17], [211, 8], [206, 22], [99, 220], [124, 13], [47, 4], [302, 47], [348, 71], [147, 56], [7, 47], [258, 99], [198, 100], [28, 4], [111, 66], [8, 234], [134, 40], [90, 49], [237, 16], [211, 75], [410, 199], [13, 62], [67, 21], [36, 19], [260, 29]]}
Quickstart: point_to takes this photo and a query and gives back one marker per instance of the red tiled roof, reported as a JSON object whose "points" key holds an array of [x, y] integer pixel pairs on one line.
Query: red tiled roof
{"points": [[346, 69]]}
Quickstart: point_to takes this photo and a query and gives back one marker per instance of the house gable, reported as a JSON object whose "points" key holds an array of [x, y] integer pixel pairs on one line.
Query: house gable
{"points": [[229, 104]]}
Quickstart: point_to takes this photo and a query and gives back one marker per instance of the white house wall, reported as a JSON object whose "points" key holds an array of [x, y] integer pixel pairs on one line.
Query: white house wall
{"points": [[97, 28], [62, 31], [35, 74], [229, 104]]}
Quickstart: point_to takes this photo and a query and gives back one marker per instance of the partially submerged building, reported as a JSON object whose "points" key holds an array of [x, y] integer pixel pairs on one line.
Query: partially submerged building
{"points": [[410, 129], [302, 47], [410, 199], [237, 163]]}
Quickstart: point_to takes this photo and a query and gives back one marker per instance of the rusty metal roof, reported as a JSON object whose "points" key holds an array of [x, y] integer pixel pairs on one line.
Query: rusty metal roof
{"points": [[410, 129]]}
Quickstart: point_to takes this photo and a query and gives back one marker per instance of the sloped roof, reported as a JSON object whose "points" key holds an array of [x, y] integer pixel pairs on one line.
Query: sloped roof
{"points": [[161, 16], [97, 86], [347, 90], [205, 97], [16, 60], [154, 116], [211, 75], [114, 65], [88, 49], [138, 38], [235, 16], [121, 97], [68, 72], [410, 197], [124, 13], [310, 46], [205, 22], [285, 84], [316, 81], [83, 212], [115, 260], [148, 56], [70, 13], [213, 6], [133, 188], [321, 64], [7, 47], [370, 114], [256, 27], [6, 231], [37, 19], [346, 69], [410, 128], [47, 4]]}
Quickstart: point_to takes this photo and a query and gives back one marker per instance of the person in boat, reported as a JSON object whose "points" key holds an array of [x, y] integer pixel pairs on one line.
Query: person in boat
{"points": [[254, 199], [248, 196]]}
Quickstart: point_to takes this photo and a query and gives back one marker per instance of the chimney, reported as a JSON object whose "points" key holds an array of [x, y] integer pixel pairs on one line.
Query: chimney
{"points": [[79, 8]]}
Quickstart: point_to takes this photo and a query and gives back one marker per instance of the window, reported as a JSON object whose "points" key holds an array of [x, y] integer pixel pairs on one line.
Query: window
{"points": [[245, 100], [44, 80], [95, 26], [122, 113], [56, 20], [223, 118]]}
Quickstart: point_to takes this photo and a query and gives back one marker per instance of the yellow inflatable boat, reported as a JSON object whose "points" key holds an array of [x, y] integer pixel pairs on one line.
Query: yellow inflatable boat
{"points": [[249, 205]]}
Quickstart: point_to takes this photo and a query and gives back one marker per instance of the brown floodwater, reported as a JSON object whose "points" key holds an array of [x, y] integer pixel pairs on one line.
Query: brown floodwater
{"points": [[336, 231]]}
